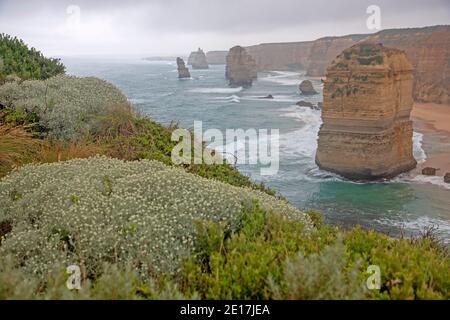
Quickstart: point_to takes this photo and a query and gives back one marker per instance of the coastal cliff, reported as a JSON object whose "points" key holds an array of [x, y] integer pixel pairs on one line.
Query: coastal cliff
{"points": [[366, 131], [197, 59], [216, 57], [241, 68], [428, 50]]}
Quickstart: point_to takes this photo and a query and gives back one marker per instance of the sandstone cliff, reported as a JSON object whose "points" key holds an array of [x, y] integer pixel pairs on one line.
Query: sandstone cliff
{"points": [[197, 59], [183, 72], [427, 48], [366, 131], [216, 57], [241, 68]]}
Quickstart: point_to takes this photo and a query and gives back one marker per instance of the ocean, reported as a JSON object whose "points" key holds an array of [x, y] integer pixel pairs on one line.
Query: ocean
{"points": [[407, 204]]}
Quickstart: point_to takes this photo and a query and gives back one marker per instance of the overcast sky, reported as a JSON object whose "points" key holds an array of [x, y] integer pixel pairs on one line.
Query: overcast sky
{"points": [[160, 27]]}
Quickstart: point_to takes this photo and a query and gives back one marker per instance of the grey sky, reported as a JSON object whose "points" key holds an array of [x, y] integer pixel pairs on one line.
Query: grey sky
{"points": [[179, 26]]}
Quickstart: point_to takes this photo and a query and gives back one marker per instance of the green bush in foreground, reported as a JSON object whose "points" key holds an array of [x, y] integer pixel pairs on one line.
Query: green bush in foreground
{"points": [[265, 256], [270, 257], [98, 210], [241, 265], [64, 107], [19, 60]]}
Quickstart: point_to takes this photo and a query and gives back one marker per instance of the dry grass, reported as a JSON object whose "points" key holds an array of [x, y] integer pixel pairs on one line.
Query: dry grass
{"points": [[61, 151], [17, 147], [120, 121]]}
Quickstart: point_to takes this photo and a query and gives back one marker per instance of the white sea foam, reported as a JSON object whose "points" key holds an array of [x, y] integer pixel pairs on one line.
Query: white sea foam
{"points": [[276, 98], [419, 153], [232, 99], [286, 78], [216, 90], [436, 180], [299, 146], [420, 156], [420, 224], [137, 100]]}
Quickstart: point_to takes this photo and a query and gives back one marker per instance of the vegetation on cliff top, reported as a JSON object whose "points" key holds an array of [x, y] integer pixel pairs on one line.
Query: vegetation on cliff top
{"points": [[264, 255], [18, 60], [96, 210]]}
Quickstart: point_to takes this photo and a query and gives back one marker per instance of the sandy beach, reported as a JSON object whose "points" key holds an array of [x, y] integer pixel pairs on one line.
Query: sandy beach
{"points": [[433, 121]]}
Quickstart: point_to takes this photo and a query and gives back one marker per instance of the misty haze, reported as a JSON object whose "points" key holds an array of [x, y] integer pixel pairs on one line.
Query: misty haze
{"points": [[225, 150]]}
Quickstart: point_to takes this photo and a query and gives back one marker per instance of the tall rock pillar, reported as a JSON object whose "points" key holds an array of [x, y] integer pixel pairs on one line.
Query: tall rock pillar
{"points": [[241, 68], [367, 132]]}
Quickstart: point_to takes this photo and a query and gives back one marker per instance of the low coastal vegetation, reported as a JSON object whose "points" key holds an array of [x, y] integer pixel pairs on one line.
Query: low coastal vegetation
{"points": [[88, 181]]}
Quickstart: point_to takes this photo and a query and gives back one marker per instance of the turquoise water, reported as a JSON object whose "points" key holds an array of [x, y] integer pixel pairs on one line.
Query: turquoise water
{"points": [[405, 204]]}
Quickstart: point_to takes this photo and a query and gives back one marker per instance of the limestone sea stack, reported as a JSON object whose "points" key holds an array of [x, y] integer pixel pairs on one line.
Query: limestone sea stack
{"points": [[197, 59], [183, 72], [367, 132], [241, 68], [306, 88]]}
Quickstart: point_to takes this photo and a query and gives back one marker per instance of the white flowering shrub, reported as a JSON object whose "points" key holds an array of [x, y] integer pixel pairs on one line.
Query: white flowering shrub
{"points": [[66, 106], [91, 211]]}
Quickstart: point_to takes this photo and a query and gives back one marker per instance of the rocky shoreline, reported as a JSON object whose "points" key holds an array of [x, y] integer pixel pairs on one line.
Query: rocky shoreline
{"points": [[433, 121]]}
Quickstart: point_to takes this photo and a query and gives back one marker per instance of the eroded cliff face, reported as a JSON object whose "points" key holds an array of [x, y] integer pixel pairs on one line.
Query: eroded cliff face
{"points": [[241, 68], [281, 56], [428, 49], [367, 132], [197, 59], [216, 57]]}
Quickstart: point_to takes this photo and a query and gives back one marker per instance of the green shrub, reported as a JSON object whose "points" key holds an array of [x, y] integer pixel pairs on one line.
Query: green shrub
{"points": [[241, 264], [410, 268], [17, 59], [113, 283], [65, 107], [270, 257], [378, 59], [323, 275], [141, 212], [261, 255], [368, 50]]}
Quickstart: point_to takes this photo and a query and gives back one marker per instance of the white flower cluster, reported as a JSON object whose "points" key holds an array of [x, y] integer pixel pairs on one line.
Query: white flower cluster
{"points": [[88, 211], [66, 106]]}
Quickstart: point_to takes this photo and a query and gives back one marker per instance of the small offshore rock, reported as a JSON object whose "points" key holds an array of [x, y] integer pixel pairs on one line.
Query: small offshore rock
{"points": [[303, 103], [447, 177], [429, 171], [306, 88]]}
